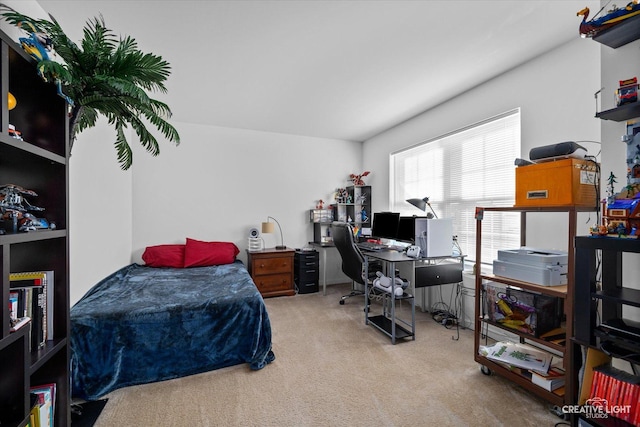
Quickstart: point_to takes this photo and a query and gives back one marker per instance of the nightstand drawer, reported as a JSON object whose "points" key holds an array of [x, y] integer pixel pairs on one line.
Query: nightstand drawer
{"points": [[273, 282], [271, 266], [272, 271]]}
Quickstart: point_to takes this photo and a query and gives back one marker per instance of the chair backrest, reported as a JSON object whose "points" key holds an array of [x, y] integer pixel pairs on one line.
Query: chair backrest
{"points": [[352, 258]]}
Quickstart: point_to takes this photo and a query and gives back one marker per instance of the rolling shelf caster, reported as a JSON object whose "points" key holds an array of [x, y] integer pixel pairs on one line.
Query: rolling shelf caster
{"points": [[341, 302], [485, 370], [557, 411]]}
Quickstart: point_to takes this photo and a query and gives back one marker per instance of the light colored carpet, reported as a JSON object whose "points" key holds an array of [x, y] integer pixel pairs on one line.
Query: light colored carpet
{"points": [[333, 370]]}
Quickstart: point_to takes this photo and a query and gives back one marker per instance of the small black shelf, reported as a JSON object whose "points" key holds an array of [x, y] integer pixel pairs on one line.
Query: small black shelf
{"points": [[627, 296], [615, 244], [384, 324], [621, 34], [622, 113]]}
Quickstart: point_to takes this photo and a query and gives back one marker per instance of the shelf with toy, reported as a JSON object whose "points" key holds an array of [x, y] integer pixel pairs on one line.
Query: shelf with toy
{"points": [[615, 27], [622, 113], [623, 33]]}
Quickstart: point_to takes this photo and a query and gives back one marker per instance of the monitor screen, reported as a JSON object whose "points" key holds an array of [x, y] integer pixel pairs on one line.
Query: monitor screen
{"points": [[407, 229], [385, 225]]}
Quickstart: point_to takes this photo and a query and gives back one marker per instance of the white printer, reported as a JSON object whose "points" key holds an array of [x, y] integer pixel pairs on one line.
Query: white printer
{"points": [[538, 266]]}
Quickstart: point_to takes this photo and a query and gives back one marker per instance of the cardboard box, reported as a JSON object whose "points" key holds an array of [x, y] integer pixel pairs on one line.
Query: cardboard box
{"points": [[567, 182]]}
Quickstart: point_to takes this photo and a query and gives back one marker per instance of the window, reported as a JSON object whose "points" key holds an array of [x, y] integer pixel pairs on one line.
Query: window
{"points": [[470, 167]]}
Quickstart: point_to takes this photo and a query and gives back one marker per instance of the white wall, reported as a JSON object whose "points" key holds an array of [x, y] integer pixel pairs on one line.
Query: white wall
{"points": [[220, 182], [100, 209], [555, 94], [216, 185], [99, 196]]}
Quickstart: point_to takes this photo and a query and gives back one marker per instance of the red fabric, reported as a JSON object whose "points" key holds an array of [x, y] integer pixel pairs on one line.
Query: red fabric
{"points": [[203, 254], [164, 256]]}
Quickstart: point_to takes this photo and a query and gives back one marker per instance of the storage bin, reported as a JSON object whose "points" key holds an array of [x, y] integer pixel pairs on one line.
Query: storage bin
{"points": [[526, 312], [321, 215], [567, 182]]}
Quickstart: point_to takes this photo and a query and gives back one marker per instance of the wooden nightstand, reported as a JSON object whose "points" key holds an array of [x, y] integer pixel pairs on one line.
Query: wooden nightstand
{"points": [[272, 271]]}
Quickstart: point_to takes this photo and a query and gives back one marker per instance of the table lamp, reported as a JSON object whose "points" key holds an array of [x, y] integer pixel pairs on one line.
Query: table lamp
{"points": [[267, 227], [422, 205]]}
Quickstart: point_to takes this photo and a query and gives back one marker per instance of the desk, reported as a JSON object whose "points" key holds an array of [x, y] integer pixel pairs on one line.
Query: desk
{"points": [[424, 272]]}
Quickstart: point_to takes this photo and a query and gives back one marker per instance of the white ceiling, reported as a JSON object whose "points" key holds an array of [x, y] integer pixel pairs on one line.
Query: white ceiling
{"points": [[333, 69]]}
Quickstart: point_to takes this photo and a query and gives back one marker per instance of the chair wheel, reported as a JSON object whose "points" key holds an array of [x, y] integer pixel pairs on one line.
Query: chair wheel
{"points": [[485, 370], [341, 302]]}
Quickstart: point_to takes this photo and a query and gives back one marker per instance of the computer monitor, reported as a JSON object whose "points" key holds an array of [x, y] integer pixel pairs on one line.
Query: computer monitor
{"points": [[385, 225], [407, 229]]}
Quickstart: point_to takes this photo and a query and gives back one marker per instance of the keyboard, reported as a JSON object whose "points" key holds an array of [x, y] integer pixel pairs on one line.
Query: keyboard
{"points": [[371, 246]]}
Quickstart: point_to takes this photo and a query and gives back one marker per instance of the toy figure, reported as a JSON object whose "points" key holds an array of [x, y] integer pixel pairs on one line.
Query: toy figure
{"points": [[341, 195], [38, 45], [14, 207], [613, 17], [12, 199], [610, 181], [357, 179]]}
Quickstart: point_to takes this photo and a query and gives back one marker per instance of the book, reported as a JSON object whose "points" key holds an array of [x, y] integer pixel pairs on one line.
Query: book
{"points": [[31, 304], [618, 391], [46, 400], [518, 355], [13, 305], [552, 380], [45, 280]]}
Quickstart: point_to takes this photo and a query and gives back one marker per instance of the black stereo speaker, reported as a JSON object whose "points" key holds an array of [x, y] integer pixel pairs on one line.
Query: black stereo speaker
{"points": [[561, 150]]}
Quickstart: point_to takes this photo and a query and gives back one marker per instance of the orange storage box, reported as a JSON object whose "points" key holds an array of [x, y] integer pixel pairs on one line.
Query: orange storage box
{"points": [[567, 182]]}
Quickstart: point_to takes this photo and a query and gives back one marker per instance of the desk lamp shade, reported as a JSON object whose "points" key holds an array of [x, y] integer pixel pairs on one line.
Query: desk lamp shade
{"points": [[422, 205], [268, 227]]}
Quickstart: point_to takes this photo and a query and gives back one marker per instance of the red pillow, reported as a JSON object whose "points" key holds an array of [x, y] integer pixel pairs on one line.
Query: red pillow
{"points": [[202, 254], [164, 256]]}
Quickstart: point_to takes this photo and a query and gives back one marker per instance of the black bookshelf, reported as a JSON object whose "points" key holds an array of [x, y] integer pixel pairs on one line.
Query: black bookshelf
{"points": [[37, 162]]}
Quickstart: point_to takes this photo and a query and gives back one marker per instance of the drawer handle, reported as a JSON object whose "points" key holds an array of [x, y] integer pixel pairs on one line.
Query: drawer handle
{"points": [[261, 265]]}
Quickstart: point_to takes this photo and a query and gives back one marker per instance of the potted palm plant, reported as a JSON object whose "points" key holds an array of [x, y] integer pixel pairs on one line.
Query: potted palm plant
{"points": [[103, 75]]}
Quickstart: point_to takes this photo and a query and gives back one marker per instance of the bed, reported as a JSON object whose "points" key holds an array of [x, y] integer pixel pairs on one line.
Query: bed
{"points": [[143, 324]]}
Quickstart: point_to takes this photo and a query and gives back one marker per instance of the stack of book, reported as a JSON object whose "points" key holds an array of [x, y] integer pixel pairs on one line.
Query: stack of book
{"points": [[31, 298], [43, 400], [617, 393], [551, 381]]}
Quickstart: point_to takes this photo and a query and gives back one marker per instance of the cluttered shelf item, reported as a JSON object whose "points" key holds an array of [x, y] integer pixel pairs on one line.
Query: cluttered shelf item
{"points": [[184, 320], [545, 298]]}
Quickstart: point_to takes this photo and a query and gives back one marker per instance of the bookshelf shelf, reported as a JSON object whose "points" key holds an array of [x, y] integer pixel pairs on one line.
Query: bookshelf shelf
{"points": [[37, 162]]}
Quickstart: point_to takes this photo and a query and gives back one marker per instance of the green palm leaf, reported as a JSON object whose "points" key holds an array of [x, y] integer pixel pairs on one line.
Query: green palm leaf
{"points": [[109, 76]]}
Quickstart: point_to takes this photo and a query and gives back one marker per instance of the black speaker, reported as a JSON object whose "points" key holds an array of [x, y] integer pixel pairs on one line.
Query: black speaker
{"points": [[561, 150]]}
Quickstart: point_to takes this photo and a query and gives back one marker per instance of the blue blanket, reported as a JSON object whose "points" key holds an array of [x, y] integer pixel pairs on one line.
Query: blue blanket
{"points": [[144, 324]]}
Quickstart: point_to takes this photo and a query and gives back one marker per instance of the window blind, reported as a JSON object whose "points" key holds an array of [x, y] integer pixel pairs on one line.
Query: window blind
{"points": [[470, 167]]}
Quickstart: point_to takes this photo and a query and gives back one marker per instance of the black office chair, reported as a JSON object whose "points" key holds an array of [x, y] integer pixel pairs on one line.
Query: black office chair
{"points": [[353, 264]]}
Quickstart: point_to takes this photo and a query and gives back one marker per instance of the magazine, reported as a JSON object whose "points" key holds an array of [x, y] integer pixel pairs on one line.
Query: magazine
{"points": [[519, 355]]}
